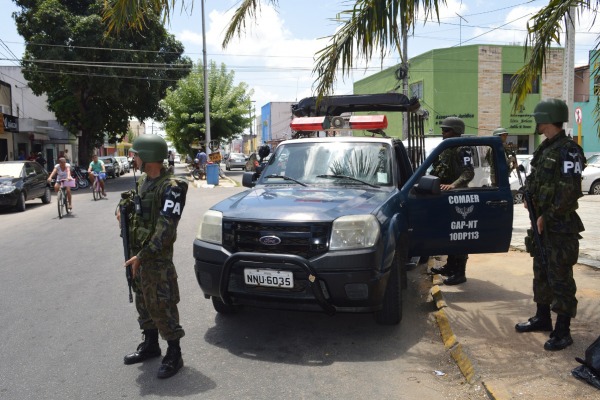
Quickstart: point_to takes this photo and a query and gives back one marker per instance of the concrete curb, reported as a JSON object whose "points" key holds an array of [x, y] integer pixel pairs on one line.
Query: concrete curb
{"points": [[451, 342]]}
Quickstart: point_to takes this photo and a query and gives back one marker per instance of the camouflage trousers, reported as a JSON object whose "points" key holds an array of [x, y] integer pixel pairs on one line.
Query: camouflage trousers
{"points": [[554, 284], [156, 298]]}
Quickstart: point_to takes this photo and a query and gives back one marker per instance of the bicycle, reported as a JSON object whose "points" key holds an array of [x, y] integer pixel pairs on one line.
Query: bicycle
{"points": [[63, 205], [96, 188]]}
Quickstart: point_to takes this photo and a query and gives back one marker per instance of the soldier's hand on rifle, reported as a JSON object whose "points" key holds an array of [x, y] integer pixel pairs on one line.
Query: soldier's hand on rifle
{"points": [[118, 214], [135, 265], [540, 224]]}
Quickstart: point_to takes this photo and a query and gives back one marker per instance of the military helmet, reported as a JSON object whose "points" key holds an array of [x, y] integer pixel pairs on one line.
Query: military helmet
{"points": [[551, 111], [454, 123], [150, 148], [499, 131]]}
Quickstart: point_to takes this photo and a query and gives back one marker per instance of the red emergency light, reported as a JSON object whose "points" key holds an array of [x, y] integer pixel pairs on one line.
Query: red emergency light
{"points": [[368, 122], [309, 124]]}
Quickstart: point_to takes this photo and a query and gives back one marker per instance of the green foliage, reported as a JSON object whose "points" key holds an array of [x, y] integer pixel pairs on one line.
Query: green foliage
{"points": [[95, 82], [183, 108]]}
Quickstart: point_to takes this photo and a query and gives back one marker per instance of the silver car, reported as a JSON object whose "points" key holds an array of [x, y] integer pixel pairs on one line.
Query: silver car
{"points": [[124, 164], [236, 160]]}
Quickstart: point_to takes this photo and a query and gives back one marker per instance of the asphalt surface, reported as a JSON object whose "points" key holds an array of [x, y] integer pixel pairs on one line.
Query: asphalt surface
{"points": [[477, 319]]}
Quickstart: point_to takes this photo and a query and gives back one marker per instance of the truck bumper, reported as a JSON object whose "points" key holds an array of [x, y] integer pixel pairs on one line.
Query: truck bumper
{"points": [[344, 281]]}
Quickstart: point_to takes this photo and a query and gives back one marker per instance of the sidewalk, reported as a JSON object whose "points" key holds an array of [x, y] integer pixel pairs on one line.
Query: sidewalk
{"points": [[477, 319]]}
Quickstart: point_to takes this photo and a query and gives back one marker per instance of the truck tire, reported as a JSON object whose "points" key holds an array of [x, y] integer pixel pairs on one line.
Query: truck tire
{"points": [[223, 308], [391, 313]]}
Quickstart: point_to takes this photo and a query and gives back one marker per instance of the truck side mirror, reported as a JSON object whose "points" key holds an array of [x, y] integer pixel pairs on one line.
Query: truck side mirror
{"points": [[428, 184], [248, 179]]}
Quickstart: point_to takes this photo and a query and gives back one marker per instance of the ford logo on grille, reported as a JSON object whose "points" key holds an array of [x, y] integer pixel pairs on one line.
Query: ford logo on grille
{"points": [[269, 240]]}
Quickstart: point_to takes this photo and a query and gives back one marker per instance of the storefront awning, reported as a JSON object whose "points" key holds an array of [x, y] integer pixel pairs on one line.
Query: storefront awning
{"points": [[124, 146]]}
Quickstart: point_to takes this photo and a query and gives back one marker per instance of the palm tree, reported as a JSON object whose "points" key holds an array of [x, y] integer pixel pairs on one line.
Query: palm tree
{"points": [[543, 29], [370, 26]]}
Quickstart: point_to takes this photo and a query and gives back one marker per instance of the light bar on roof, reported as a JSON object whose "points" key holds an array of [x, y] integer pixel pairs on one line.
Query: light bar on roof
{"points": [[368, 122], [309, 124]]}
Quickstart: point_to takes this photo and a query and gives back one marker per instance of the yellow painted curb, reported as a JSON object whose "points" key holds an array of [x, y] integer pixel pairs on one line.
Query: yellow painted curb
{"points": [[436, 293], [448, 336]]}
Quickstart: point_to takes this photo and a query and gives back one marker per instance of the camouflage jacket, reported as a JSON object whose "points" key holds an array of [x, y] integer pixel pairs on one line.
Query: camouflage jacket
{"points": [[455, 166], [555, 183], [153, 231]]}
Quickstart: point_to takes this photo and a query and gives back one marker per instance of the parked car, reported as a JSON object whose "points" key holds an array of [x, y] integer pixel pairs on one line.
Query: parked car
{"points": [[21, 181], [594, 159], [516, 185], [590, 179], [235, 160], [112, 166], [177, 159], [123, 164]]}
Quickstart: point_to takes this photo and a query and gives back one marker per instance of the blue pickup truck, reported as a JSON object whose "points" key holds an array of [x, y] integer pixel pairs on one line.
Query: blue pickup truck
{"points": [[332, 221]]}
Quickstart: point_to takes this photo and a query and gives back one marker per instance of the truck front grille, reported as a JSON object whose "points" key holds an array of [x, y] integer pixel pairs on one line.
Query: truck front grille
{"points": [[306, 240]]}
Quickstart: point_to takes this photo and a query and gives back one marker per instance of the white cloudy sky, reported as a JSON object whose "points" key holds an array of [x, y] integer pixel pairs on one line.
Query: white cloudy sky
{"points": [[275, 57]]}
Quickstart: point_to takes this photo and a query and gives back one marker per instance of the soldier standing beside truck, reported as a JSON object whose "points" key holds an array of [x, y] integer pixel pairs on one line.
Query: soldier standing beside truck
{"points": [[555, 186], [455, 169], [155, 208]]}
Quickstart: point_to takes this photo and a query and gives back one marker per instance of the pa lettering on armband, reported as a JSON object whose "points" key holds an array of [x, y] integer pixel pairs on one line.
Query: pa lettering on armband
{"points": [[173, 202], [466, 156], [571, 162]]}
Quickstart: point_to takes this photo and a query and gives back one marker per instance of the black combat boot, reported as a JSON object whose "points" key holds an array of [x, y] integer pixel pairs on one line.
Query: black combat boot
{"points": [[542, 321], [560, 337], [458, 274], [446, 269], [172, 362], [149, 348]]}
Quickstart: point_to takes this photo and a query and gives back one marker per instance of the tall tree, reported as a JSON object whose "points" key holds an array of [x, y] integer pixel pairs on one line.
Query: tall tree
{"points": [[95, 82], [544, 29], [183, 108]]}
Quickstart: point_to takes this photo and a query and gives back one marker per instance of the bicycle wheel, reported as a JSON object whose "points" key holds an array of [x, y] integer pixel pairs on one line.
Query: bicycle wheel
{"points": [[60, 202], [66, 203], [96, 190]]}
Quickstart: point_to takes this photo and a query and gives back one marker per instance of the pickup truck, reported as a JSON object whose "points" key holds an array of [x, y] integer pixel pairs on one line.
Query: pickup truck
{"points": [[330, 224]]}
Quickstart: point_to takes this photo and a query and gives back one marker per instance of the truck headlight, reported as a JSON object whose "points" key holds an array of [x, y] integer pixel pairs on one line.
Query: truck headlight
{"points": [[211, 227], [354, 232]]}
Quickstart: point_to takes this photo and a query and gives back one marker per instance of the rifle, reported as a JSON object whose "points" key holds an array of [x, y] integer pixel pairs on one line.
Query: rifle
{"points": [[125, 235], [533, 219]]}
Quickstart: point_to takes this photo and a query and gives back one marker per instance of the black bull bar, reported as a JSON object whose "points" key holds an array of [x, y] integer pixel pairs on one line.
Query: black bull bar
{"points": [[312, 277]]}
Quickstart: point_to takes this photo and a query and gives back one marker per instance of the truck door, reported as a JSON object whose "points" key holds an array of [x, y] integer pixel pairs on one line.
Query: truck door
{"points": [[474, 219]]}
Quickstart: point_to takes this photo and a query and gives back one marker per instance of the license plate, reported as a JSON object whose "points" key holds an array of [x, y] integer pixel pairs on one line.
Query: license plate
{"points": [[269, 277]]}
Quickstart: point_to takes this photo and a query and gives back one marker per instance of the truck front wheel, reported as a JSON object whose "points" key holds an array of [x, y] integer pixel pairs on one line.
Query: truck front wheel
{"points": [[391, 313], [223, 308]]}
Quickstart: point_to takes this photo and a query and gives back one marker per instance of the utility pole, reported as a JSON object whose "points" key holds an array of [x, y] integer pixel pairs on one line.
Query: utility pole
{"points": [[569, 69], [405, 77], [460, 28], [206, 102]]}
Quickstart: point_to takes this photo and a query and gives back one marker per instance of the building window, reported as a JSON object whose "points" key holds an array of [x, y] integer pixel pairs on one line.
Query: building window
{"points": [[597, 85], [508, 79], [416, 90]]}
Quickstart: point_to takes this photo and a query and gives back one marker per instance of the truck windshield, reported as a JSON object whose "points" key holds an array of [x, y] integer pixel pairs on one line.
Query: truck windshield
{"points": [[315, 163]]}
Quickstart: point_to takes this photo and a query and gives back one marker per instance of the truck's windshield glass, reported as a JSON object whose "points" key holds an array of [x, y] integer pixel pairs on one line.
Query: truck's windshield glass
{"points": [[311, 163]]}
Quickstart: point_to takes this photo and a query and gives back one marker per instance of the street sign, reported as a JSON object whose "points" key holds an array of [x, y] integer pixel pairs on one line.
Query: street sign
{"points": [[215, 157], [578, 115]]}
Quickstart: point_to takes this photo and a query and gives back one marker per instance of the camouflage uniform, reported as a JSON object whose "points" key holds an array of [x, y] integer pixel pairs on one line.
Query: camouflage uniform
{"points": [[455, 166], [555, 184], [489, 157], [153, 234]]}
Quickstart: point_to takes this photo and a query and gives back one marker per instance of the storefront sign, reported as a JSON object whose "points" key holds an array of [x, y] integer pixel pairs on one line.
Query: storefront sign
{"points": [[11, 124]]}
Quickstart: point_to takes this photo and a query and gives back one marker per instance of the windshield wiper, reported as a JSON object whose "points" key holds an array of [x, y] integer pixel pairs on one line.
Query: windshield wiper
{"points": [[287, 178], [347, 177]]}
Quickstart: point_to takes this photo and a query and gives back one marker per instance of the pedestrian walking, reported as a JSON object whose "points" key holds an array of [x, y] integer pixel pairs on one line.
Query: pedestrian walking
{"points": [[157, 205], [555, 187], [455, 169]]}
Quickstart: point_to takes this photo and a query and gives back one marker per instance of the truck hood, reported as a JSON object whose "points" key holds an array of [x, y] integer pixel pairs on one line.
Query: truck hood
{"points": [[301, 204]]}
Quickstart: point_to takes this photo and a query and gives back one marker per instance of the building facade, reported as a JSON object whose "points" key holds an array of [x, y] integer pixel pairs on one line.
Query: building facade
{"points": [[275, 123], [28, 125], [473, 83]]}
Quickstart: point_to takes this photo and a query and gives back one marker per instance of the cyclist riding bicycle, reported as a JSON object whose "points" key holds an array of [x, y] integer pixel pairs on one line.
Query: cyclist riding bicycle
{"points": [[62, 170], [97, 166]]}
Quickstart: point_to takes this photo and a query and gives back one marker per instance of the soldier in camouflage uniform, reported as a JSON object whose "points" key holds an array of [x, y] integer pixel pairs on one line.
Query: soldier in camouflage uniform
{"points": [[455, 169], [511, 161], [555, 186], [156, 207]]}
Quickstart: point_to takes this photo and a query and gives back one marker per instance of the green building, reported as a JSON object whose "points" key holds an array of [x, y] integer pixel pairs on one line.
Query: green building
{"points": [[473, 83]]}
